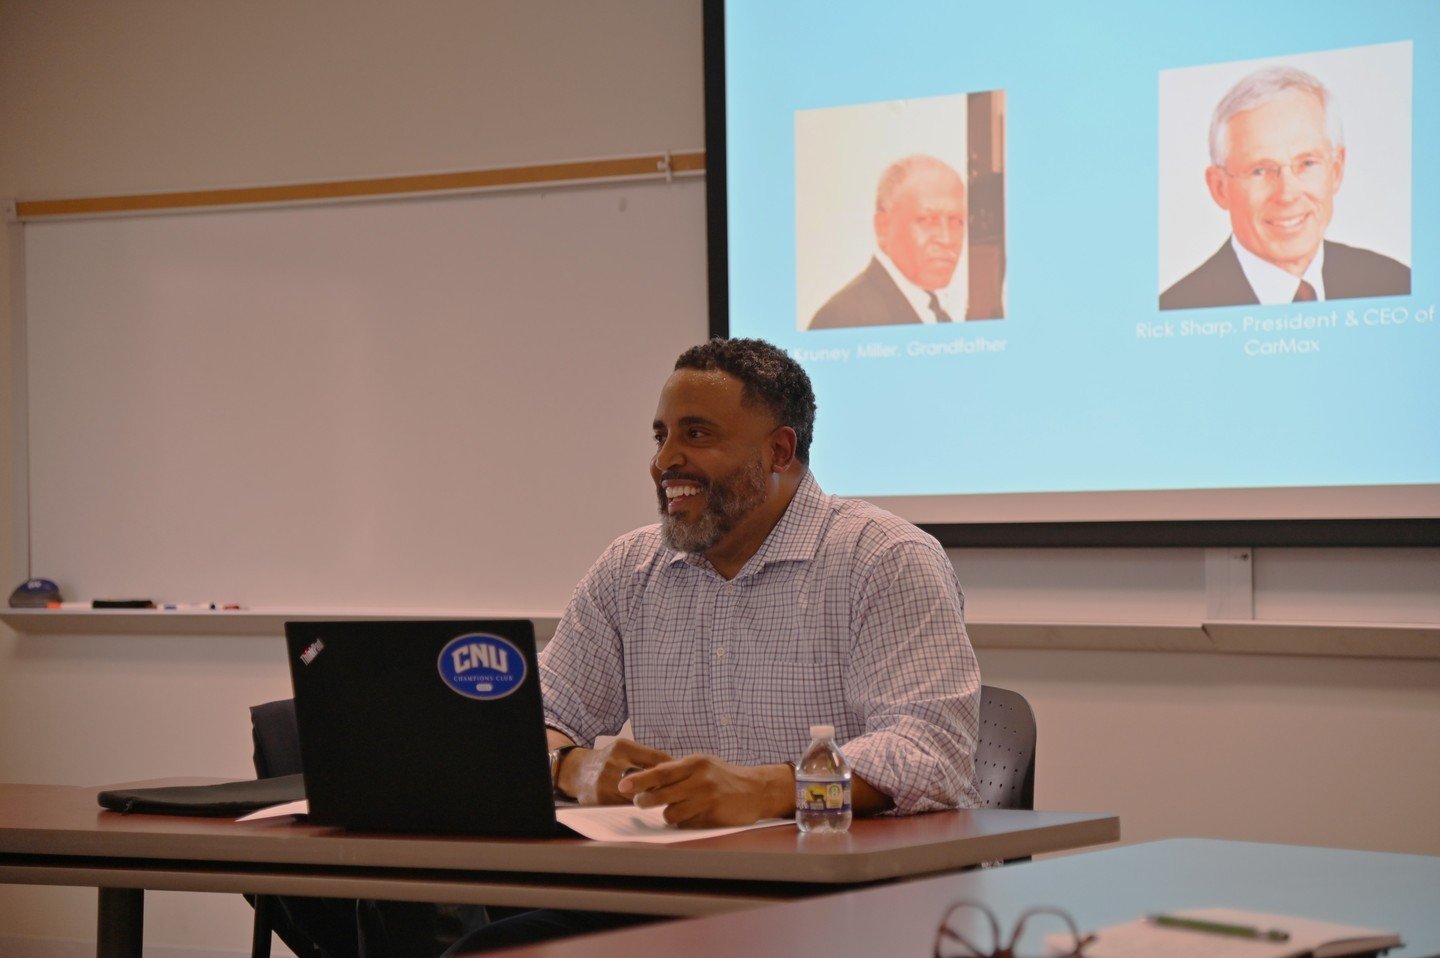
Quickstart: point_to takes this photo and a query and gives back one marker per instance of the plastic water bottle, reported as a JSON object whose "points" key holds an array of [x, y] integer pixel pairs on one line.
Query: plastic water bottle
{"points": [[822, 784]]}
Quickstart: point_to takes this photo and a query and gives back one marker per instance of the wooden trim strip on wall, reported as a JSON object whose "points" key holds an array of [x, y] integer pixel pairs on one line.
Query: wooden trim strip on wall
{"points": [[510, 177]]}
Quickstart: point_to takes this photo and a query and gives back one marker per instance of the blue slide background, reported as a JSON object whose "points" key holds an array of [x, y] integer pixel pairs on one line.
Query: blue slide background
{"points": [[1075, 401]]}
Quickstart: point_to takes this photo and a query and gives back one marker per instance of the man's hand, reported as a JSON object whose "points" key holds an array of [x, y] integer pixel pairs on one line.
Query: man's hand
{"points": [[701, 791], [591, 775]]}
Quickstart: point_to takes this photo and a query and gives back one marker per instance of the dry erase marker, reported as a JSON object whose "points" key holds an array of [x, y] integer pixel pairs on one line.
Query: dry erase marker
{"points": [[189, 606], [1220, 928]]}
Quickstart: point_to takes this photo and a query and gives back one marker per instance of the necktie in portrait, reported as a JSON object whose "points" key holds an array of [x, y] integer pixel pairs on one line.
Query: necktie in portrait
{"points": [[943, 317]]}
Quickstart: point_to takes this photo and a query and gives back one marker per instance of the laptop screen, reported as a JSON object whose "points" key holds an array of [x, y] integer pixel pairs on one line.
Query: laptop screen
{"points": [[422, 725]]}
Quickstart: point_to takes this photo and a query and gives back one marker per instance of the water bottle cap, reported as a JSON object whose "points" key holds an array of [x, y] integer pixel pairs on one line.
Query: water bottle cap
{"points": [[822, 731]]}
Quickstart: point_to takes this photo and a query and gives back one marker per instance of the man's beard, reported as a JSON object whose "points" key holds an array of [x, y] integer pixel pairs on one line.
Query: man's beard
{"points": [[727, 501]]}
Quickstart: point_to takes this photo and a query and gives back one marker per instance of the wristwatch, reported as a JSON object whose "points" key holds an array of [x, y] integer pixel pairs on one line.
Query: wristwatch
{"points": [[557, 755]]}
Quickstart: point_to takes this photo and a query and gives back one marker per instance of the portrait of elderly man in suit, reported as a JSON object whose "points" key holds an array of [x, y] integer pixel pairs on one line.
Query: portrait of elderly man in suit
{"points": [[919, 226], [1277, 160]]}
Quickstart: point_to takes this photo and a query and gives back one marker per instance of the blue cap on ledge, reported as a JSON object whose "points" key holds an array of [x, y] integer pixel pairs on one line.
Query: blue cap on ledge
{"points": [[34, 594]]}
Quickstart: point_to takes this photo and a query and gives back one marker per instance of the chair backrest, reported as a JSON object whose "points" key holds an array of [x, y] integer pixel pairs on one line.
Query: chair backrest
{"points": [[1005, 754], [276, 737]]}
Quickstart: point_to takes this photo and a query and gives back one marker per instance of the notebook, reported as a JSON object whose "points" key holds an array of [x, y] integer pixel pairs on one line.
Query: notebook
{"points": [[1303, 937], [422, 726]]}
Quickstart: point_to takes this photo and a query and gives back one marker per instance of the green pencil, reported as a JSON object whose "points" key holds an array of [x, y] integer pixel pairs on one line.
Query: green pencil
{"points": [[1220, 928]]}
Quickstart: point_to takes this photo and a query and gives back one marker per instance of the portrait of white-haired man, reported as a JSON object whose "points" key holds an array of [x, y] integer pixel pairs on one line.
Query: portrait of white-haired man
{"points": [[919, 224], [1277, 159]]}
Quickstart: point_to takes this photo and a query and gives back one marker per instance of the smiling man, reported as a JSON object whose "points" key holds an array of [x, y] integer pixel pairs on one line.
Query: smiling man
{"points": [[919, 224], [757, 607], [1277, 156]]}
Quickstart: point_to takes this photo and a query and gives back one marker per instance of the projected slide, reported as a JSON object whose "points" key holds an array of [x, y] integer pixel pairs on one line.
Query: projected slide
{"points": [[1133, 249]]}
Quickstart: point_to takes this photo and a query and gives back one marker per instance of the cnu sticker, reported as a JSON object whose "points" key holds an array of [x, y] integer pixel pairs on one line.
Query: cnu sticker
{"points": [[481, 666]]}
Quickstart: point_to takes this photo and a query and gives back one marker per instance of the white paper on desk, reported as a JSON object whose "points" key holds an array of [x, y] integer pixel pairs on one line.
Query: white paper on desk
{"points": [[626, 823], [301, 807]]}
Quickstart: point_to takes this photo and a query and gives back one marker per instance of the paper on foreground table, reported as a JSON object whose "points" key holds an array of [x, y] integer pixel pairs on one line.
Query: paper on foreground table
{"points": [[603, 823], [1143, 938]]}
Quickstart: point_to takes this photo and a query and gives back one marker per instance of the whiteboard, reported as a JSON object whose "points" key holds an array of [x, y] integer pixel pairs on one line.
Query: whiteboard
{"points": [[438, 403]]}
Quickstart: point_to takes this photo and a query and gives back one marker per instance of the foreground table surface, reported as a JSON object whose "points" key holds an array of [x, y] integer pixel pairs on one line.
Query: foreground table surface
{"points": [[1385, 891], [59, 835]]}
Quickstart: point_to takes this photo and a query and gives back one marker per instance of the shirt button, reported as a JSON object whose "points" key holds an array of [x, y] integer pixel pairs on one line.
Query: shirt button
{"points": [[720, 652], [724, 720]]}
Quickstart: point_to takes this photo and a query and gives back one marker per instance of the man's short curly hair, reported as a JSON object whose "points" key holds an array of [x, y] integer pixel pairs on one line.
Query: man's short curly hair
{"points": [[769, 377]]}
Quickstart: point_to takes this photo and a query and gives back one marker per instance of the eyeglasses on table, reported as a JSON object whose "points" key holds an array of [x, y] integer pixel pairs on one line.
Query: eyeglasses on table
{"points": [[955, 938]]}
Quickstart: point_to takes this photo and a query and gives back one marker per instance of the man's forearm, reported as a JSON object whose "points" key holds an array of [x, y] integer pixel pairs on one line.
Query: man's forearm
{"points": [[773, 785], [777, 782], [866, 799], [556, 739]]}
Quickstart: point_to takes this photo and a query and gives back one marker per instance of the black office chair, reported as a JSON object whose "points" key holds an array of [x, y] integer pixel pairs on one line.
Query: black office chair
{"points": [[276, 738], [277, 752], [1005, 754]]}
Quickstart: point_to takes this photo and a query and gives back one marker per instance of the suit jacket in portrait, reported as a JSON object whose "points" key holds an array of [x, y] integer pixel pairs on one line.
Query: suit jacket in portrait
{"points": [[870, 299], [1348, 272]]}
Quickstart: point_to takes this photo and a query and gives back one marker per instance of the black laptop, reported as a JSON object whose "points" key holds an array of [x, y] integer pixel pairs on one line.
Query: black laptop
{"points": [[422, 726]]}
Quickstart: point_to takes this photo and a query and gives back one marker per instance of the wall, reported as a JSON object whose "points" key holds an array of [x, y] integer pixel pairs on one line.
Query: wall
{"points": [[144, 95]]}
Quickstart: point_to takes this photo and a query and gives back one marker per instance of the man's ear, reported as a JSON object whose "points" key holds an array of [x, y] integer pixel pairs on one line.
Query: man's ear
{"points": [[782, 448], [881, 222], [1339, 163], [1219, 185]]}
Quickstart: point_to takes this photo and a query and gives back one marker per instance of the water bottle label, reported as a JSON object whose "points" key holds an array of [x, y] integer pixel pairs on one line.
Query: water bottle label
{"points": [[833, 797]]}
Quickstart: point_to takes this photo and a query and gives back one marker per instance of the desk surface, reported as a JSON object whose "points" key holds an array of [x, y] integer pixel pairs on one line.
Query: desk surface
{"points": [[59, 835], [1374, 889]]}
